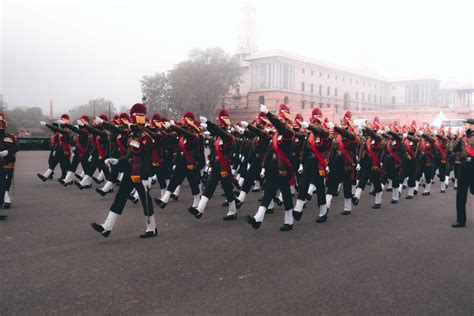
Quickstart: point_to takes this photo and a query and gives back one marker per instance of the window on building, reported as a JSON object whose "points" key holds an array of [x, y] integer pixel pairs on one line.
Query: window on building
{"points": [[357, 82], [357, 95], [393, 100], [369, 97], [303, 104], [380, 99], [286, 100], [312, 88], [329, 76], [335, 78], [343, 79], [302, 70], [312, 104], [312, 72], [320, 74], [329, 91], [302, 86], [363, 96], [335, 92], [320, 89], [261, 99]]}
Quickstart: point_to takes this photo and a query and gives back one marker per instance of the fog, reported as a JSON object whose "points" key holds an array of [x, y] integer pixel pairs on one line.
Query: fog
{"points": [[71, 52]]}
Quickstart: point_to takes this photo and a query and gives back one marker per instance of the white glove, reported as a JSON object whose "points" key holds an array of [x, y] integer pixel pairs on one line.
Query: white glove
{"points": [[242, 159], [420, 132], [435, 133], [43, 123], [54, 153], [111, 161], [263, 109], [331, 125], [209, 170], [207, 133], [167, 124], [358, 167], [386, 129], [99, 120], [244, 124], [146, 184], [304, 125], [241, 130], [80, 123], [380, 132], [405, 135], [3, 153], [248, 166], [203, 119], [90, 158], [204, 125], [300, 169], [172, 123], [174, 167], [262, 173]]}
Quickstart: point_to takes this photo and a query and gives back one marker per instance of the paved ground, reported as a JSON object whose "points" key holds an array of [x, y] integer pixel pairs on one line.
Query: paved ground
{"points": [[402, 259]]}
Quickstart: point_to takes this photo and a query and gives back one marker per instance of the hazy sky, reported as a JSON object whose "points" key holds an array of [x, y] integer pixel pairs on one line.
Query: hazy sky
{"points": [[73, 51]]}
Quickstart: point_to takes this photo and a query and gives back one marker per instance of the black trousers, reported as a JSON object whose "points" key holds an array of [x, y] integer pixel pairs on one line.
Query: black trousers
{"points": [[213, 180], [373, 176], [392, 171], [274, 182], [76, 160], [409, 171], [311, 176], [465, 183], [126, 186], [6, 178], [58, 157], [339, 174], [97, 163], [441, 167], [252, 174], [180, 172], [425, 168], [160, 176]]}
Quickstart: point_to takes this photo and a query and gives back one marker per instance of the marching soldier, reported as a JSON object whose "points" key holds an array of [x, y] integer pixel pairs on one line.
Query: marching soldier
{"points": [[8, 149], [441, 156], [465, 146], [409, 162], [220, 165], [392, 161], [137, 172], [277, 168]]}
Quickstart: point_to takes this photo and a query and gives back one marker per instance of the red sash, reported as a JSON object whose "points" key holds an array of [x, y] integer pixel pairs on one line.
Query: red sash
{"points": [[408, 147], [100, 147], [375, 159], [394, 154], [82, 149], [318, 155], [279, 152], [225, 163], [426, 151], [469, 150], [344, 150], [441, 150], [189, 158]]}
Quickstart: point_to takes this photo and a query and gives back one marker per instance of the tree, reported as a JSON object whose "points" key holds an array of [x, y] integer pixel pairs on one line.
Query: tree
{"points": [[156, 90], [93, 108], [199, 82], [26, 119]]}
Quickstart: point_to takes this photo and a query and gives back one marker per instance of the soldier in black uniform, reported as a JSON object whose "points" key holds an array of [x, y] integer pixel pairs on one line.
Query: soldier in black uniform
{"points": [[465, 146], [277, 168], [137, 172], [8, 149]]}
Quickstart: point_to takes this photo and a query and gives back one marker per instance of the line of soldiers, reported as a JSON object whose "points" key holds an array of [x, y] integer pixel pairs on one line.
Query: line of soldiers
{"points": [[282, 155]]}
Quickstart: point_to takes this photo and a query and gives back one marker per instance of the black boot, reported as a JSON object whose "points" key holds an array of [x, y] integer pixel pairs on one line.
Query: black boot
{"points": [[100, 229], [230, 217], [174, 197], [355, 200], [6, 206], [195, 212], [160, 203], [3, 217], [346, 212], [43, 178], [251, 220], [458, 225], [270, 211], [150, 234], [286, 227], [238, 204], [277, 201], [297, 215], [376, 206]]}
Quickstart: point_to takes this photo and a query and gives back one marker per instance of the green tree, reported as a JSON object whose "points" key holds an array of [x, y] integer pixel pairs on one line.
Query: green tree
{"points": [[94, 107], [156, 90]]}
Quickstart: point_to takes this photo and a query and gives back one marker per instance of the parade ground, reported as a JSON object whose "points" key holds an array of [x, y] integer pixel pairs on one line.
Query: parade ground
{"points": [[403, 259]]}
